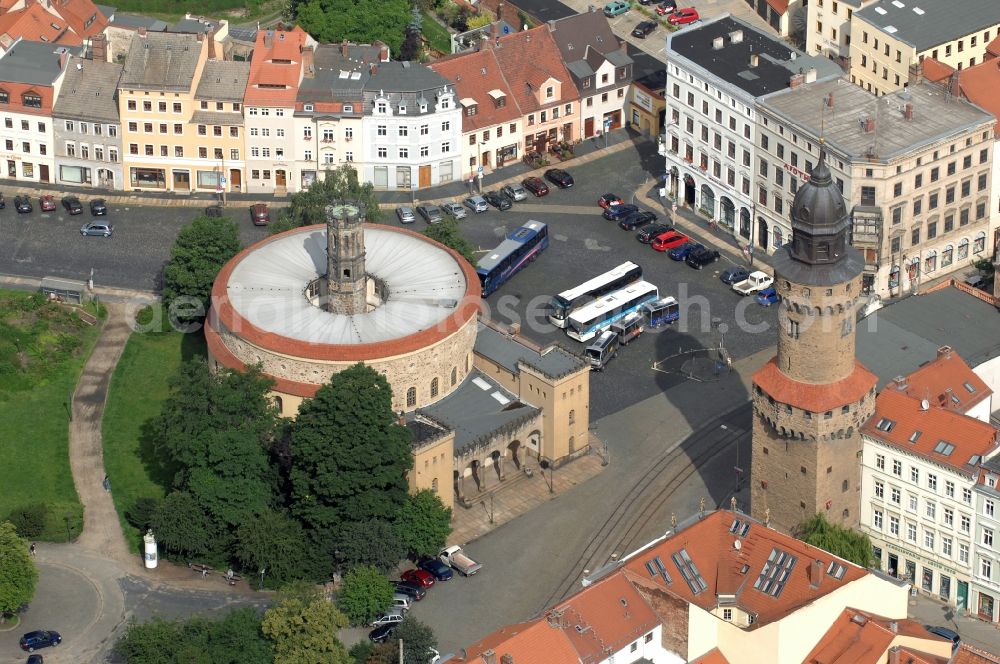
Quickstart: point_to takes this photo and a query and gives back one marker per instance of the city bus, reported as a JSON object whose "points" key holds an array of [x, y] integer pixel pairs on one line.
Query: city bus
{"points": [[585, 323], [519, 248], [569, 301]]}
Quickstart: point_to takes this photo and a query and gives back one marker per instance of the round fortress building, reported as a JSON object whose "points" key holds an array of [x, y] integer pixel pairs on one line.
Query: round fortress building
{"points": [[310, 302]]}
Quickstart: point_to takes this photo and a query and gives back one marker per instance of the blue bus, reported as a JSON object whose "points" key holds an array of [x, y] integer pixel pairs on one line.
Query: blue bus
{"points": [[591, 320], [517, 250]]}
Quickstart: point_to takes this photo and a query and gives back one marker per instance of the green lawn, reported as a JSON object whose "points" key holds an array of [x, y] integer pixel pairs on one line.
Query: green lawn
{"points": [[436, 34], [140, 384], [43, 348]]}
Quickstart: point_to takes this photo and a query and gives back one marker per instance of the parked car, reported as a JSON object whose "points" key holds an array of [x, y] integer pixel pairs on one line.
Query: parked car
{"points": [[615, 8], [476, 203], [390, 617], [35, 659], [415, 592], [431, 213], [498, 200], [535, 185], [405, 214], [945, 633], [648, 234], [559, 178], [259, 214], [401, 601], [734, 275], [382, 633], [98, 207], [514, 192], [72, 204], [213, 211], [683, 16], [701, 258], [418, 577], [42, 638], [666, 7], [456, 558], [23, 204], [607, 200], [454, 209], [754, 283], [618, 212], [97, 228], [647, 2], [768, 296], [637, 219], [644, 29], [669, 240], [46, 203], [681, 252], [440, 571]]}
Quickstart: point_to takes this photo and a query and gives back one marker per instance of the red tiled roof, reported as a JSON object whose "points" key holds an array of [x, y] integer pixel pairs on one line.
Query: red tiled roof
{"points": [[966, 654], [993, 48], [810, 397], [713, 656], [728, 569], [780, 6], [474, 75], [858, 637], [534, 642], [264, 71], [35, 24], [968, 436], [935, 70], [979, 84], [943, 380], [82, 15], [529, 58]]}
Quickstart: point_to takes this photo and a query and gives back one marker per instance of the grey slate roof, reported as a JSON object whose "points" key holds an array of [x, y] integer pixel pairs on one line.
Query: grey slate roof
{"points": [[475, 413], [134, 21], [215, 118], [34, 63], [900, 337], [194, 26], [544, 10], [223, 80], [106, 10], [585, 41], [405, 77], [938, 21], [777, 62], [508, 353], [935, 115], [161, 61], [243, 34], [338, 77], [89, 92]]}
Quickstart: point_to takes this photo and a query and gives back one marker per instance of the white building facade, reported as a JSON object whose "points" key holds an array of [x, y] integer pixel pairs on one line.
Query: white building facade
{"points": [[985, 600]]}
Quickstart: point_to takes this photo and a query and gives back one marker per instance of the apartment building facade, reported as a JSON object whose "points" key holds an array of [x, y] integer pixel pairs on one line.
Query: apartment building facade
{"points": [[891, 37], [600, 67], [87, 130], [219, 128], [715, 74], [828, 27], [31, 77], [491, 118], [984, 602], [915, 169]]}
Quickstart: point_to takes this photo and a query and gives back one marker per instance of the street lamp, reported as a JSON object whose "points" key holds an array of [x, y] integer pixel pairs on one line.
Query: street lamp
{"points": [[262, 570], [547, 463]]}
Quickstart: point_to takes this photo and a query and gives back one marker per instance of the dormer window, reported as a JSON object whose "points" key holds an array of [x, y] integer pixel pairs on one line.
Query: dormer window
{"points": [[305, 107], [402, 109], [498, 97], [31, 100], [471, 110], [382, 107], [550, 92], [348, 108], [4, 97]]}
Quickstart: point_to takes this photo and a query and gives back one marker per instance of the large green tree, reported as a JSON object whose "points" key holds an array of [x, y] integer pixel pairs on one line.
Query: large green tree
{"points": [[181, 525], [18, 575], [349, 457], [303, 627], [848, 544], [365, 593], [275, 542], [449, 233], [308, 207], [423, 523], [235, 639], [417, 638], [358, 21], [199, 252], [375, 543]]}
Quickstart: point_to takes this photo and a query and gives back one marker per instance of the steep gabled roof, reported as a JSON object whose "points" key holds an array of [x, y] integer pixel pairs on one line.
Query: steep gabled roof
{"points": [[477, 75], [858, 637], [83, 16], [276, 67], [530, 58], [533, 642], [586, 35], [33, 23], [947, 382], [223, 80], [162, 60], [89, 91], [966, 654]]}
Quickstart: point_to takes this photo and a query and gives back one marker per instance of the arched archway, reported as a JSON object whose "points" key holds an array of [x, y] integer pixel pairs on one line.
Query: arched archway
{"points": [[689, 190], [497, 459], [728, 212], [762, 232], [476, 470], [514, 447], [777, 237], [707, 200], [745, 223]]}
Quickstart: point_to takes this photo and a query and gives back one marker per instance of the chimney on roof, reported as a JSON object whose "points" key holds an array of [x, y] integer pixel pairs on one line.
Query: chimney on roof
{"points": [[916, 73], [954, 89], [343, 48], [900, 383], [489, 656], [211, 44], [829, 100], [754, 59], [816, 574], [893, 626], [811, 75], [718, 43], [868, 124], [506, 658], [308, 68], [142, 32], [736, 36], [268, 39], [373, 69], [908, 111], [495, 31], [499, 11], [200, 36], [944, 352], [63, 56], [99, 48], [552, 25], [796, 80]]}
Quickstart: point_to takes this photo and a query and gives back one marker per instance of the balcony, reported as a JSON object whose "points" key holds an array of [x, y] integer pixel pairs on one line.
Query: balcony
{"points": [[866, 227]]}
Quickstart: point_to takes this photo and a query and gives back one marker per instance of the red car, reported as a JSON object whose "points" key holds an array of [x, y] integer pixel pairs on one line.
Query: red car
{"points": [[669, 240], [535, 185], [47, 203], [666, 7], [607, 200], [418, 577], [683, 16]]}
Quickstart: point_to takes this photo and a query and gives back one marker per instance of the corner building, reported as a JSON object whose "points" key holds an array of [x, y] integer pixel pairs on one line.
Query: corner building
{"points": [[811, 399]]}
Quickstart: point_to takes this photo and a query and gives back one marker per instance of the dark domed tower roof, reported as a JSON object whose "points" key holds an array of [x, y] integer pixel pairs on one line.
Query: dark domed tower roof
{"points": [[819, 219]]}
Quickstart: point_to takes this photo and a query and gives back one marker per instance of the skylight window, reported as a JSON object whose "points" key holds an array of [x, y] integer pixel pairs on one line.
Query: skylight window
{"points": [[955, 399], [655, 567], [915, 436], [891, 29], [969, 387], [880, 11], [775, 573], [689, 571], [944, 448], [918, 11], [836, 570], [897, 3], [885, 424]]}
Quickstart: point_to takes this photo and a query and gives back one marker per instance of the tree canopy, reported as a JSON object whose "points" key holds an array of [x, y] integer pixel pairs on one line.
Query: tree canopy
{"points": [[848, 544], [365, 593], [18, 575], [275, 542], [308, 207], [449, 233], [348, 455], [236, 639], [357, 21], [375, 543], [423, 523], [199, 252], [303, 628]]}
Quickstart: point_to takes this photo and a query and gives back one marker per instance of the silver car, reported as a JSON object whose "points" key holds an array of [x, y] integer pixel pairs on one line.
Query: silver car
{"points": [[514, 192], [430, 213], [476, 203], [454, 209], [405, 214], [97, 228]]}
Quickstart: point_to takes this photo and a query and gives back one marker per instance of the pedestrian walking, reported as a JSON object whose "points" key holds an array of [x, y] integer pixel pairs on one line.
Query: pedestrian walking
{"points": [[106, 484], [31, 549]]}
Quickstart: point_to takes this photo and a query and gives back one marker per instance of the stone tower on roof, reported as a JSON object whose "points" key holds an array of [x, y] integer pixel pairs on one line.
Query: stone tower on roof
{"points": [[346, 279], [811, 399]]}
